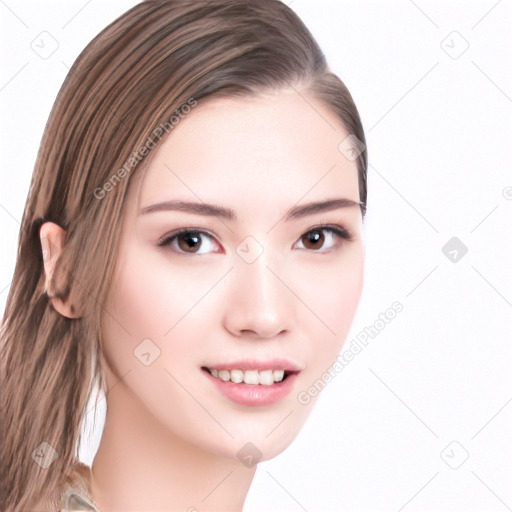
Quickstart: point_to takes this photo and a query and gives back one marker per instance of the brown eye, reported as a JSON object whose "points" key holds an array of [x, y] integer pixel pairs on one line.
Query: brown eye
{"points": [[313, 239], [189, 242], [323, 238]]}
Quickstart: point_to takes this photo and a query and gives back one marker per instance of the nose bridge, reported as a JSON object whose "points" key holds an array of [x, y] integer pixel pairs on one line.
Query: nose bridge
{"points": [[260, 302]]}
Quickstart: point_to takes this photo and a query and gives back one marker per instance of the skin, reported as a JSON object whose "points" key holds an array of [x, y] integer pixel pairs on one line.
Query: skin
{"points": [[170, 437]]}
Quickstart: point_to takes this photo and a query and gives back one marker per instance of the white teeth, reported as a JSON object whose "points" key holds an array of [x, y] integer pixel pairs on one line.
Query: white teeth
{"points": [[252, 377], [278, 375], [237, 376], [266, 378], [224, 375]]}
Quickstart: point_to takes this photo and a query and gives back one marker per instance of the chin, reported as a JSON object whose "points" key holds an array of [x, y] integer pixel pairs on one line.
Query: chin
{"points": [[257, 441]]}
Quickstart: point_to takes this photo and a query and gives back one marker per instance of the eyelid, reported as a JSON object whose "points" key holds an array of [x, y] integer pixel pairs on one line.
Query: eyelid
{"points": [[337, 228], [187, 229]]}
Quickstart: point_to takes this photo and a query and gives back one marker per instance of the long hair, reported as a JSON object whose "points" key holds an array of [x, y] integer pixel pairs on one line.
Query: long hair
{"points": [[123, 89]]}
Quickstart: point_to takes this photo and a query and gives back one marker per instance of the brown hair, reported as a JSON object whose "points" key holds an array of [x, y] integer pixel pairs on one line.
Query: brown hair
{"points": [[127, 82]]}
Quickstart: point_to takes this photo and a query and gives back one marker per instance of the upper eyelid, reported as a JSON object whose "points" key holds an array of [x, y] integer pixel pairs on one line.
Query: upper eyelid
{"points": [[328, 225], [169, 236]]}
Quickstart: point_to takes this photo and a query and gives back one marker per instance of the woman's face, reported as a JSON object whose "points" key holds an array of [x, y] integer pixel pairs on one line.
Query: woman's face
{"points": [[267, 278]]}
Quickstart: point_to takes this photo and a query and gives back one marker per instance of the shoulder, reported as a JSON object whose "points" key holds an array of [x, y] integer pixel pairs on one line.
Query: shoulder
{"points": [[76, 495]]}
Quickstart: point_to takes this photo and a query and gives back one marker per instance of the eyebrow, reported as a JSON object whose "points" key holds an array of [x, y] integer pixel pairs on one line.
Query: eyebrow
{"points": [[213, 210]]}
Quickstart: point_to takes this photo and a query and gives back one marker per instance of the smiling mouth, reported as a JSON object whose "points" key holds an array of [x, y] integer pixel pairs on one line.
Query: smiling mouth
{"points": [[251, 377]]}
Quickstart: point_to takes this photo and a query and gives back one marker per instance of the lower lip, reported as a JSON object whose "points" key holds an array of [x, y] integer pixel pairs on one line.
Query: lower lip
{"points": [[252, 394]]}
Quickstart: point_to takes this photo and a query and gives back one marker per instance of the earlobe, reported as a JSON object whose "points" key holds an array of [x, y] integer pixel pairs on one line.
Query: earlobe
{"points": [[53, 240]]}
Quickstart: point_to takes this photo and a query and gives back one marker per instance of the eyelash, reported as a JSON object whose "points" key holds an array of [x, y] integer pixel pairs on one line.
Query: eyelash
{"points": [[337, 230]]}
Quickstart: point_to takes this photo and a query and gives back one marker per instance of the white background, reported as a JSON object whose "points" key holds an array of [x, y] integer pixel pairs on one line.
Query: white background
{"points": [[439, 136]]}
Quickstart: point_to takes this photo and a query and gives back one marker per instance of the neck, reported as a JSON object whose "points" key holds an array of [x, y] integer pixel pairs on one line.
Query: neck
{"points": [[140, 466]]}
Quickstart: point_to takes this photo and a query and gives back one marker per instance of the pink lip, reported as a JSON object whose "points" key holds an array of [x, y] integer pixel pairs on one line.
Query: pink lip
{"points": [[253, 364], [253, 395]]}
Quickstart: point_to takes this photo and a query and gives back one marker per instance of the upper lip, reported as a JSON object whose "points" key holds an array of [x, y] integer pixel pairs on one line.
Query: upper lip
{"points": [[257, 364]]}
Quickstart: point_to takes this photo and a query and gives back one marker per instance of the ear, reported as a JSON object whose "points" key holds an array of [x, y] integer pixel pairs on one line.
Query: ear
{"points": [[53, 240]]}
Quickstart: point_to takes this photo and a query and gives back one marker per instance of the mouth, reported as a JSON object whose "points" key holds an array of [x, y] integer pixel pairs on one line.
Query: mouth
{"points": [[251, 377], [254, 382]]}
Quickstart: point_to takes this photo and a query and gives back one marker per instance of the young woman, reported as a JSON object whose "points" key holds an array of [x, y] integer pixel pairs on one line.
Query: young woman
{"points": [[192, 244]]}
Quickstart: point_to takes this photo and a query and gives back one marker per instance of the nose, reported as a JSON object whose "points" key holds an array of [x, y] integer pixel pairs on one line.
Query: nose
{"points": [[259, 304]]}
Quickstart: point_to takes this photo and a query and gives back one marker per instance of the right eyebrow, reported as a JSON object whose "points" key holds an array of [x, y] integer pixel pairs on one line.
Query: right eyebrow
{"points": [[191, 207]]}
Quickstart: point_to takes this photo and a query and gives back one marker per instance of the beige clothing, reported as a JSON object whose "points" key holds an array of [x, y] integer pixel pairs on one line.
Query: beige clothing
{"points": [[77, 494]]}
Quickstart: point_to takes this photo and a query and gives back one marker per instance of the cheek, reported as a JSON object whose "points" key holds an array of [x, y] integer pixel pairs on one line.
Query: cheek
{"points": [[153, 298], [331, 294]]}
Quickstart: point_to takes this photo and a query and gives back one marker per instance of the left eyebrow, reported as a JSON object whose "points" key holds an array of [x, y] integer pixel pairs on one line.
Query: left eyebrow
{"points": [[321, 206], [296, 212]]}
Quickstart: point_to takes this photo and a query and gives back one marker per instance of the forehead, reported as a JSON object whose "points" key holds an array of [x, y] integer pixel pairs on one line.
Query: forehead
{"points": [[252, 153]]}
